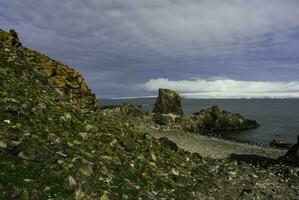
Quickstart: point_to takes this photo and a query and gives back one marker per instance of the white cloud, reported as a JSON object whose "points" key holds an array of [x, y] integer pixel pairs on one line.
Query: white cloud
{"points": [[117, 42], [225, 88]]}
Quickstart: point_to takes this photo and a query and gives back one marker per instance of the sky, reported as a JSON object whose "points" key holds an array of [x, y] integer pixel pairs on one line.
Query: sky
{"points": [[200, 48]]}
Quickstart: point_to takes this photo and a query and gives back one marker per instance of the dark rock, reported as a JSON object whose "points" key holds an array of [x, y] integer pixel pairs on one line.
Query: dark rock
{"points": [[164, 141], [164, 119], [181, 180], [292, 156], [280, 144], [15, 41], [215, 120], [127, 144], [168, 101], [9, 39]]}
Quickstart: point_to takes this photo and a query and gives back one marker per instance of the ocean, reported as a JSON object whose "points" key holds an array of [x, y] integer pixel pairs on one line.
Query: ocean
{"points": [[279, 118]]}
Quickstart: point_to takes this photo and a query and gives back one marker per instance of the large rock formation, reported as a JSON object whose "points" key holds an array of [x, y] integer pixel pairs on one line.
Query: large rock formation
{"points": [[215, 120], [167, 102], [208, 121]]}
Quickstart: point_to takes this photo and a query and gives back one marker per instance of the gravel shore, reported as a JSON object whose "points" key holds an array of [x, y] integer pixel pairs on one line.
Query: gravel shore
{"points": [[214, 147]]}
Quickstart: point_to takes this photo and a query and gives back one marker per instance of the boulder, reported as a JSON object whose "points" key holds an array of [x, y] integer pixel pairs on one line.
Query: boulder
{"points": [[280, 144], [165, 142], [167, 102], [292, 155], [10, 39]]}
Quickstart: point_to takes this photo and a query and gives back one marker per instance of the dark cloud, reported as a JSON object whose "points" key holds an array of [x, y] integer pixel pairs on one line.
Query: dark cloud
{"points": [[119, 44]]}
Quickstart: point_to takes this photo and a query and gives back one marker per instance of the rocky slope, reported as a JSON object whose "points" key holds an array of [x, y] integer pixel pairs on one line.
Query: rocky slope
{"points": [[54, 144]]}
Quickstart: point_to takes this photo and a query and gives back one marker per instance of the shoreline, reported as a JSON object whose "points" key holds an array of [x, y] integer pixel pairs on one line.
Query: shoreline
{"points": [[206, 145], [216, 148], [274, 124]]}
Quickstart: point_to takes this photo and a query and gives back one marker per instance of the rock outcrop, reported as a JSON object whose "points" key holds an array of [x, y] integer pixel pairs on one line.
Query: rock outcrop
{"points": [[67, 82], [9, 39], [292, 156], [215, 120], [208, 121], [168, 102]]}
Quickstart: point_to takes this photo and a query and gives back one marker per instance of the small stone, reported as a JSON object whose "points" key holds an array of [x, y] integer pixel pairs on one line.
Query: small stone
{"points": [[62, 154], [91, 128], [104, 197], [71, 182], [7, 121], [79, 194], [24, 157], [27, 180], [67, 117], [175, 172], [10, 59], [47, 188], [84, 135], [154, 157], [86, 170], [60, 162], [2, 145]]}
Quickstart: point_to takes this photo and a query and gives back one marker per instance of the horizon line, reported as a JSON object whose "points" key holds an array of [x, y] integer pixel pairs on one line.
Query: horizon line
{"points": [[188, 97]]}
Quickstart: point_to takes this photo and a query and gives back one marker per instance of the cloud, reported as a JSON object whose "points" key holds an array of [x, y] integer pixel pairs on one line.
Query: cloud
{"points": [[225, 88], [137, 40]]}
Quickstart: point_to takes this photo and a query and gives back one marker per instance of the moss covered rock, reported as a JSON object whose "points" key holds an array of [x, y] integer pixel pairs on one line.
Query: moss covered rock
{"points": [[167, 102], [9, 39]]}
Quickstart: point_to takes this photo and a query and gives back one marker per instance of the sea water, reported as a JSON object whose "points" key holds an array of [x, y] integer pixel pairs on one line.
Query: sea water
{"points": [[279, 118]]}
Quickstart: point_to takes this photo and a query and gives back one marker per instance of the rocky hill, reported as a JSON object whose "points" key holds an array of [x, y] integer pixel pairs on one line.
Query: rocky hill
{"points": [[55, 144]]}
